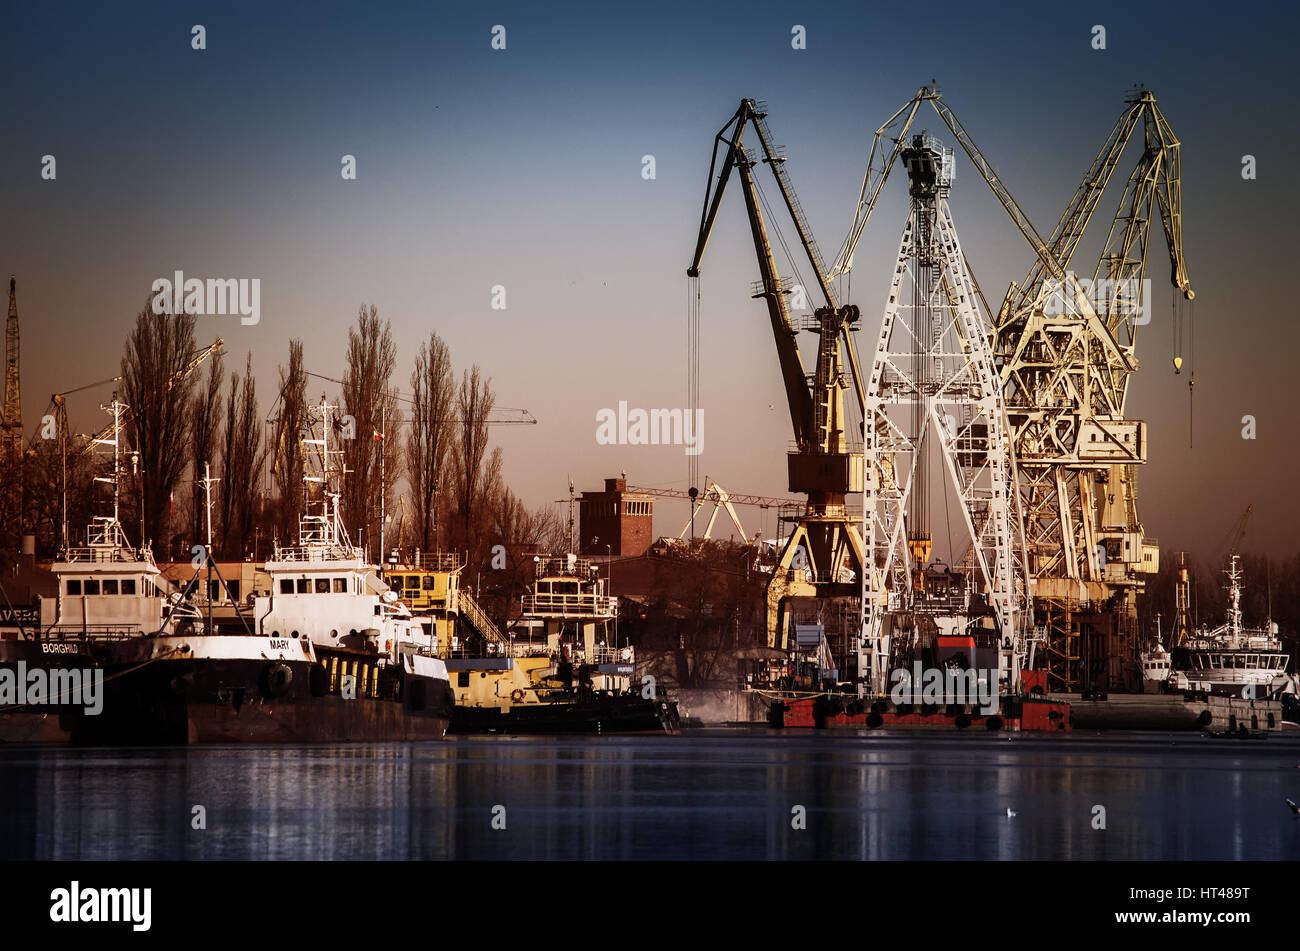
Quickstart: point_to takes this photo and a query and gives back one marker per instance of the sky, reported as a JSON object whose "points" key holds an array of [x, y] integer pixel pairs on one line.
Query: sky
{"points": [[523, 168]]}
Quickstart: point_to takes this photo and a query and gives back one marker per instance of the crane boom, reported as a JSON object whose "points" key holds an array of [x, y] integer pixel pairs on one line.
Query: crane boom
{"points": [[823, 463], [773, 290], [195, 361], [506, 415], [762, 501]]}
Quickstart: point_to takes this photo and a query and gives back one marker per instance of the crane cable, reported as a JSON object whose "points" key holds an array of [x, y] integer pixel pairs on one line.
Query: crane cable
{"points": [[1184, 326], [692, 373]]}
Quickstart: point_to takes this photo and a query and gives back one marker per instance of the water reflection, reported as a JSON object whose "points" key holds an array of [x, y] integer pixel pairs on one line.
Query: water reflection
{"points": [[714, 795]]}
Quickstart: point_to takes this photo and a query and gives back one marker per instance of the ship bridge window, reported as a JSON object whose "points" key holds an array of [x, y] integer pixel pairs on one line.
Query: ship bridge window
{"points": [[430, 583], [286, 586], [128, 586], [340, 585], [91, 586], [304, 586], [110, 586], [413, 582], [74, 586], [322, 585]]}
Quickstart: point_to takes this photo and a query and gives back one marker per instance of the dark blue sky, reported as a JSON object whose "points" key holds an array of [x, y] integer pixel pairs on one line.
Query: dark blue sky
{"points": [[522, 168]]}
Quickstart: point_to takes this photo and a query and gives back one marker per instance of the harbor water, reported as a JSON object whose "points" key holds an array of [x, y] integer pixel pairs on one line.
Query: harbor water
{"points": [[703, 795]]}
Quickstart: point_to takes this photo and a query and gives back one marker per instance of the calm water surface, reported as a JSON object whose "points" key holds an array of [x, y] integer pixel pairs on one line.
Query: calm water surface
{"points": [[703, 795]]}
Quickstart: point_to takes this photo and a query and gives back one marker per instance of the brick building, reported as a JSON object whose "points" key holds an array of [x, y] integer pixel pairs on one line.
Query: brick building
{"points": [[622, 520]]}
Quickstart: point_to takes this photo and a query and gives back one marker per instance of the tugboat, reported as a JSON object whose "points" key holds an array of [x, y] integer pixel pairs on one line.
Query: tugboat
{"points": [[107, 592], [1157, 665], [330, 654], [560, 670]]}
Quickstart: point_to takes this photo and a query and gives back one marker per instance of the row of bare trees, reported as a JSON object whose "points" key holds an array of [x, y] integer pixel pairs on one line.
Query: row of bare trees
{"points": [[425, 461]]}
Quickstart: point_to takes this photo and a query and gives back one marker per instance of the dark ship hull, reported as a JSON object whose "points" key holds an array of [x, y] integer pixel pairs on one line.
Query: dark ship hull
{"points": [[596, 713], [44, 723], [200, 700]]}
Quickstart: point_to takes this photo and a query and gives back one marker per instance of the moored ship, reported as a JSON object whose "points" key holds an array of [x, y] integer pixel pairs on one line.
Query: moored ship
{"points": [[107, 592], [560, 669], [329, 655], [1232, 659]]}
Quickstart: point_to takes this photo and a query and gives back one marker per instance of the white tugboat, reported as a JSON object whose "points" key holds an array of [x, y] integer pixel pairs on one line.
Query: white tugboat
{"points": [[107, 592], [1157, 665], [1231, 658], [329, 655]]}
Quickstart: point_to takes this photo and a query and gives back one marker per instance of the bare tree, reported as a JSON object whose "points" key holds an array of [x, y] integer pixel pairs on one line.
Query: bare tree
{"points": [[367, 398], [244, 458], [287, 460], [474, 402], [434, 393], [159, 393], [508, 573], [205, 423]]}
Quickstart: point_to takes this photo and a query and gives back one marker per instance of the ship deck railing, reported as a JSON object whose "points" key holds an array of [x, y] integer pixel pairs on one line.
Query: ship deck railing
{"points": [[93, 632], [570, 605], [559, 566], [321, 552], [515, 650], [430, 561], [106, 554]]}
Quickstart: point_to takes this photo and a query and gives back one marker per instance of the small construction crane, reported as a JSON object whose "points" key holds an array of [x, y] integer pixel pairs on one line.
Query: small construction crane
{"points": [[718, 496], [1238, 532], [500, 416], [195, 361], [721, 499], [11, 417], [59, 405]]}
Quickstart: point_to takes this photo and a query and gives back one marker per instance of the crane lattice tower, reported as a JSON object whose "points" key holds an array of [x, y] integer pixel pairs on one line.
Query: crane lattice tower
{"points": [[934, 403]]}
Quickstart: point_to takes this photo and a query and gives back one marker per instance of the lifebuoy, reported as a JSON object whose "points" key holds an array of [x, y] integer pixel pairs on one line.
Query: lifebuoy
{"points": [[517, 696]]}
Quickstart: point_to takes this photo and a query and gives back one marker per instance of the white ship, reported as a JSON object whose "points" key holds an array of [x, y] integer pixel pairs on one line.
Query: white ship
{"points": [[107, 592], [1157, 665], [1231, 658], [329, 655]]}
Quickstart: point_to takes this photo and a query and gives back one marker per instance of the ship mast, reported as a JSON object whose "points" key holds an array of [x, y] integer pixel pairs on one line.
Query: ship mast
{"points": [[106, 531], [321, 528], [1234, 598]]}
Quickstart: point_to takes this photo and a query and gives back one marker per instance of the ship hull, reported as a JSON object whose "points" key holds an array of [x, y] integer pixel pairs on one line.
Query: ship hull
{"points": [[40, 723], [598, 715], [199, 701], [1030, 714]]}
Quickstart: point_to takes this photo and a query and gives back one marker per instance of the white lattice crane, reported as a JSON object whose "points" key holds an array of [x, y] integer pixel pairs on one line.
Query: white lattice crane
{"points": [[934, 402], [1065, 349]]}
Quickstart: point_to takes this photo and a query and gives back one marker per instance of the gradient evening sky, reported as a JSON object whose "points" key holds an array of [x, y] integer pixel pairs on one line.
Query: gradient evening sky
{"points": [[523, 168]]}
